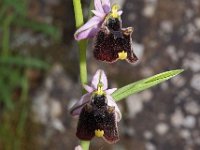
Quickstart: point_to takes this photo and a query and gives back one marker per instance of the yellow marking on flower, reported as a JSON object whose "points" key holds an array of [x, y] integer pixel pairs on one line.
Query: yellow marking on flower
{"points": [[99, 133], [100, 90], [114, 11], [122, 55]]}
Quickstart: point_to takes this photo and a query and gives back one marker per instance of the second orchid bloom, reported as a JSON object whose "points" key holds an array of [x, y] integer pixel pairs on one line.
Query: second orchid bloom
{"points": [[112, 42], [98, 112]]}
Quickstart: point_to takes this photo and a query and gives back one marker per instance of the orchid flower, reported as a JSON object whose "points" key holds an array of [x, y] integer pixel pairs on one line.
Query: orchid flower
{"points": [[98, 112], [112, 42], [98, 119], [91, 28], [101, 78]]}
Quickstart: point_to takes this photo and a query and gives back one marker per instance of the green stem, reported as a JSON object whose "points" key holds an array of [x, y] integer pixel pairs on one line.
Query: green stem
{"points": [[83, 66], [6, 35], [85, 145], [82, 51], [82, 44]]}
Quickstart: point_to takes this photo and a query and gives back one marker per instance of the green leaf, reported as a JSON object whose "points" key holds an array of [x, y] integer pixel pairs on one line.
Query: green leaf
{"points": [[144, 84]]}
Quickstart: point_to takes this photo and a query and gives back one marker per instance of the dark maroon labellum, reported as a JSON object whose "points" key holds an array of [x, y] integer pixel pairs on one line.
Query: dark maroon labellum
{"points": [[97, 118], [114, 42]]}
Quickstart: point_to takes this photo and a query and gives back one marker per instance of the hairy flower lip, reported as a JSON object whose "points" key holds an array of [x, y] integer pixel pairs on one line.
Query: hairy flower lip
{"points": [[113, 42], [99, 77], [98, 119]]}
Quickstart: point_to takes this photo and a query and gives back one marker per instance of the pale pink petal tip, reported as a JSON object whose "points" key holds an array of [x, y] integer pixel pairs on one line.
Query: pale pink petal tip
{"points": [[98, 14], [120, 12], [98, 6], [106, 6], [78, 148], [100, 74], [88, 30], [110, 91], [88, 88]]}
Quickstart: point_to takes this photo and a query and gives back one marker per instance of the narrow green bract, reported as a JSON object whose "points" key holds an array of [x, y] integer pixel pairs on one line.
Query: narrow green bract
{"points": [[144, 84]]}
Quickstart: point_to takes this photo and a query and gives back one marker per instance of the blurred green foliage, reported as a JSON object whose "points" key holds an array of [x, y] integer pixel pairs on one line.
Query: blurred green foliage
{"points": [[13, 13], [11, 71], [13, 113], [18, 10]]}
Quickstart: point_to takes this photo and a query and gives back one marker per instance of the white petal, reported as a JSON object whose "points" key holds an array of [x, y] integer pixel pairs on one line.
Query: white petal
{"points": [[120, 12], [98, 14], [110, 91], [106, 6], [88, 88], [111, 102], [103, 79], [89, 29], [78, 148], [98, 6], [76, 109]]}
